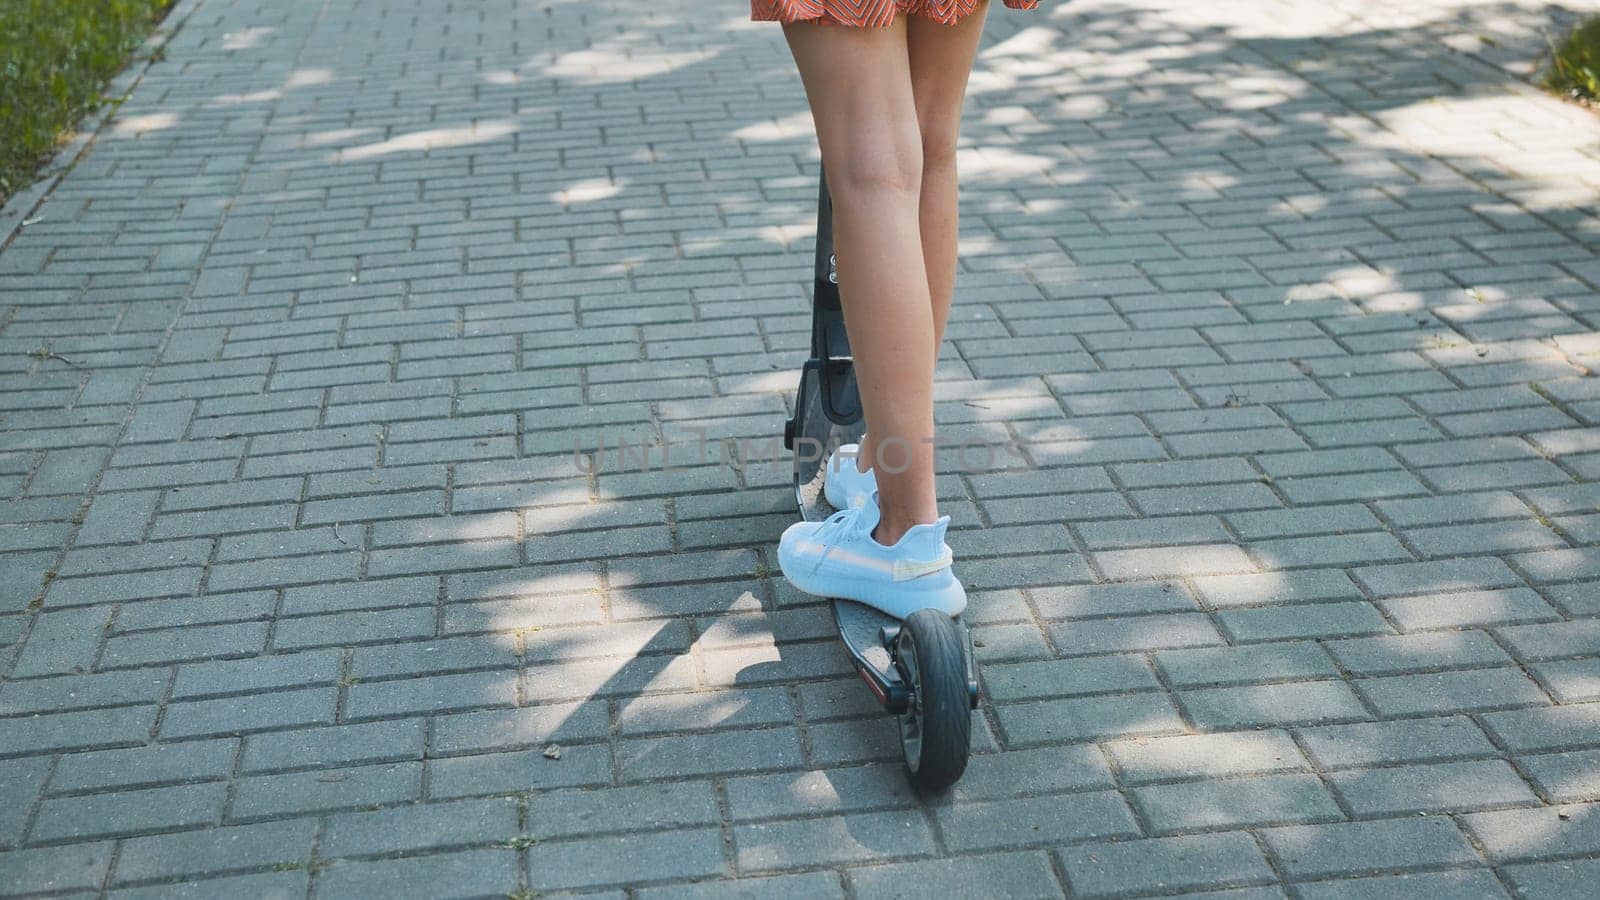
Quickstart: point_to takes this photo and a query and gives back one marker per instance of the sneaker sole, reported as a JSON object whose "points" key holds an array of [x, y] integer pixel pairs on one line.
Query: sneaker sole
{"points": [[951, 599]]}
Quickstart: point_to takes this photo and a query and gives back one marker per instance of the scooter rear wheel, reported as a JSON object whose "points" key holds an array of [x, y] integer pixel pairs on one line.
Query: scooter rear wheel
{"points": [[936, 728]]}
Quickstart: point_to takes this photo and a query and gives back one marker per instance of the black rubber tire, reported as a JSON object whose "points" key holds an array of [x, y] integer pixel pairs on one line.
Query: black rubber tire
{"points": [[931, 643]]}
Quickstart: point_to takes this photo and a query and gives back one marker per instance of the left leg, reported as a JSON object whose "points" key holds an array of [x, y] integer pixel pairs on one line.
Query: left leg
{"points": [[941, 56], [941, 59]]}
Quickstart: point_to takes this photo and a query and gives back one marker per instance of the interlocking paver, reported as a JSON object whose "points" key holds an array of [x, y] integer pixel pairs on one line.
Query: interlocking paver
{"points": [[1287, 309]]}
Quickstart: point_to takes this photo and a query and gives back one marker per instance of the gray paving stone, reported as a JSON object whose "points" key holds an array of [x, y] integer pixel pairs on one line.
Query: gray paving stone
{"points": [[577, 813], [152, 764], [1135, 633], [1386, 655], [520, 728], [1236, 802], [1164, 865], [334, 745], [1445, 692], [1570, 680], [1040, 821], [260, 884], [431, 694], [128, 812], [1536, 832], [257, 712], [597, 862], [1399, 741], [1003, 874], [1356, 848], [1289, 703], [1234, 665], [474, 873], [84, 730], [1306, 620], [1437, 576], [716, 753], [1553, 640], [261, 673], [1066, 677], [77, 867], [1430, 788], [1205, 756], [21, 782], [195, 642], [1565, 777], [63, 641], [518, 771], [1546, 728], [420, 827], [1164, 562], [1081, 601], [832, 840], [812, 791], [1086, 718], [215, 850], [822, 884], [1567, 878], [261, 796], [1458, 883]]}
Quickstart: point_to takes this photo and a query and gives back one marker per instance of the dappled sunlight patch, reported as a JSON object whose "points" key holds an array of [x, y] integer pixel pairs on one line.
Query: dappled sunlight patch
{"points": [[298, 79], [1245, 18], [1002, 164], [786, 128], [1206, 755], [624, 58], [1085, 107], [1260, 89], [1003, 116], [706, 709], [431, 139], [337, 136], [263, 96], [246, 38], [1201, 184], [1544, 144], [588, 191], [1358, 281], [1299, 205], [134, 126], [510, 616]]}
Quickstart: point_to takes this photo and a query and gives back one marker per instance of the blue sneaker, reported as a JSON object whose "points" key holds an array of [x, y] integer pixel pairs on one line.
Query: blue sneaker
{"points": [[838, 557], [842, 484]]}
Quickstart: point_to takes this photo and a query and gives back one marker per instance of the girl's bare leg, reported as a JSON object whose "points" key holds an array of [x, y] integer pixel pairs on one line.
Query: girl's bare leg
{"points": [[858, 81], [941, 59]]}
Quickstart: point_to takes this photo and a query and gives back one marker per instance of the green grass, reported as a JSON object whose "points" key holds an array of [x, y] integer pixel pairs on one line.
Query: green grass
{"points": [[1575, 65], [55, 58]]}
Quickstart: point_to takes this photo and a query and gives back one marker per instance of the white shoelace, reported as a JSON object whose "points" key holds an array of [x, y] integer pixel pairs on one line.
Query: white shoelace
{"points": [[840, 519]]}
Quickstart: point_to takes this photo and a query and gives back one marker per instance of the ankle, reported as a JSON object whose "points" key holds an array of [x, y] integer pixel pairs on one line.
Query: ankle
{"points": [[891, 528]]}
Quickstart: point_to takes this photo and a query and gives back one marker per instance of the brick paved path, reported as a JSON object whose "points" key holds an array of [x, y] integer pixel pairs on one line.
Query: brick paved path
{"points": [[1291, 307]]}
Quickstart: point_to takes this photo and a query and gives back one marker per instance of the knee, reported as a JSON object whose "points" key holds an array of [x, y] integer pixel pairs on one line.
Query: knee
{"points": [[878, 168], [939, 145]]}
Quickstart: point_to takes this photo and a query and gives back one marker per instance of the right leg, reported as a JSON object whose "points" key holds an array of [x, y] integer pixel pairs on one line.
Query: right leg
{"points": [[858, 82]]}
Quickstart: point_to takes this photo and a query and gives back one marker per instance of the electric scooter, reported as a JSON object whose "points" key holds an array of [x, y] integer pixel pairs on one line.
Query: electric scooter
{"points": [[921, 669]]}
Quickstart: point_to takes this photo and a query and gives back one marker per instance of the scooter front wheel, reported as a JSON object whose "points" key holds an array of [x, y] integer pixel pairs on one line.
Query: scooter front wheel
{"points": [[936, 728]]}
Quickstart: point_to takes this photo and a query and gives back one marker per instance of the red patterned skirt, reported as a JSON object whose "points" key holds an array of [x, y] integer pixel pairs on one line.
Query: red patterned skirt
{"points": [[867, 13]]}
